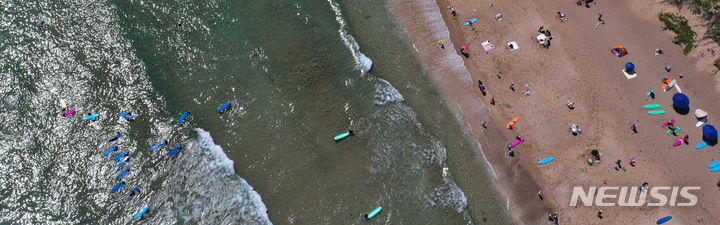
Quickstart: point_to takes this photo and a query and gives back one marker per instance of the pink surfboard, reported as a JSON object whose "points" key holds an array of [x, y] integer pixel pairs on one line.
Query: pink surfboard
{"points": [[68, 113], [517, 142], [678, 142]]}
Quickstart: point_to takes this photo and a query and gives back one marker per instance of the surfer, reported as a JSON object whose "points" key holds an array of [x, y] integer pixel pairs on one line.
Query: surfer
{"points": [[115, 138], [133, 193]]}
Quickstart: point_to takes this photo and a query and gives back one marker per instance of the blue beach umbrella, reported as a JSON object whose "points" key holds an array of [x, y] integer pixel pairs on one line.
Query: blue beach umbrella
{"points": [[681, 101], [630, 67], [710, 132]]}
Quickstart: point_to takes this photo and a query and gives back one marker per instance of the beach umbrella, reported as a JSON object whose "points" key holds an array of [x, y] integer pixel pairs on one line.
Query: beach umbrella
{"points": [[630, 67], [681, 101], [710, 132], [699, 113], [464, 47]]}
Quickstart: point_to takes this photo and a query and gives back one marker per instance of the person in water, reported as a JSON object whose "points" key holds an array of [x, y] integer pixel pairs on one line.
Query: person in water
{"points": [[351, 132], [115, 138], [132, 193]]}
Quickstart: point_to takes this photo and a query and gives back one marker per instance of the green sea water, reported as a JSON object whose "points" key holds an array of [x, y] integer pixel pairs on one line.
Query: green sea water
{"points": [[297, 73]]}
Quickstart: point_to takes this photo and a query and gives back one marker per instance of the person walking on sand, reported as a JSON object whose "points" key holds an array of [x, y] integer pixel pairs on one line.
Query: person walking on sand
{"points": [[452, 10], [492, 100], [512, 86], [632, 161], [618, 166], [442, 44], [540, 194], [634, 128], [600, 214]]}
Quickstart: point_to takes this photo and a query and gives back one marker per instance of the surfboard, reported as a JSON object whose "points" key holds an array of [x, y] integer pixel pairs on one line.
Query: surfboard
{"points": [[670, 85], [182, 117], [714, 164], [118, 157], [473, 20], [652, 106], [63, 104], [117, 187], [133, 193], [127, 116], [156, 146], [673, 131], [512, 122], [93, 116], [656, 112], [118, 136], [122, 161], [701, 122], [175, 150], [341, 136], [715, 169], [664, 219], [223, 107], [141, 212], [68, 113], [517, 142], [701, 145], [110, 150], [546, 160], [121, 174], [374, 212], [677, 87]]}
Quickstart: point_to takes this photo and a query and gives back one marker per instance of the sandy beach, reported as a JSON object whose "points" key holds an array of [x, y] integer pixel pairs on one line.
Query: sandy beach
{"points": [[576, 67]]}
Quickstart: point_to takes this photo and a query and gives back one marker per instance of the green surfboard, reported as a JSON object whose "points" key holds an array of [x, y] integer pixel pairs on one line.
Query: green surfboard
{"points": [[652, 106], [657, 112], [671, 131]]}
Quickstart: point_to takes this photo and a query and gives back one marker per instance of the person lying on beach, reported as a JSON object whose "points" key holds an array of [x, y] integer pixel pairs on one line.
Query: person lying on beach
{"points": [[499, 17], [658, 52], [571, 105], [562, 17]]}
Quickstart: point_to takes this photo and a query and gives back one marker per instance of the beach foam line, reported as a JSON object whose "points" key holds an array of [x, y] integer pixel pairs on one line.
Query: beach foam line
{"points": [[362, 62]]}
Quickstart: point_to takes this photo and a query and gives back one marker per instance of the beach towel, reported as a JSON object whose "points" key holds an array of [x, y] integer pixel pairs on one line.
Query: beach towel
{"points": [[487, 45], [629, 76]]}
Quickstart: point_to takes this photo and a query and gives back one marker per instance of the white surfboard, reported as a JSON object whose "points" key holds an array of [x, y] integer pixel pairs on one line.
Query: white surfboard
{"points": [[63, 104]]}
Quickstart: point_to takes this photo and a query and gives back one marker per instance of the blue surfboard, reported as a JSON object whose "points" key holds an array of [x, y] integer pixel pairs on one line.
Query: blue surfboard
{"points": [[374, 213], [473, 20], [175, 150], [223, 107], [342, 136], [118, 136], [93, 116], [118, 157], [664, 219], [127, 116], [715, 169], [546, 160], [701, 145], [117, 187], [110, 150], [714, 164], [141, 212], [182, 117], [133, 193], [122, 161], [121, 174], [156, 146]]}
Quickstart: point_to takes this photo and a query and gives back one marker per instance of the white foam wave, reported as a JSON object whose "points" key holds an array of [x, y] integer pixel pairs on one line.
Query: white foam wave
{"points": [[362, 62], [386, 93], [216, 194]]}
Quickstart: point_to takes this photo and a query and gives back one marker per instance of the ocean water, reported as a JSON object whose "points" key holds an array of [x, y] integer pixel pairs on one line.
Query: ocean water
{"points": [[297, 73]]}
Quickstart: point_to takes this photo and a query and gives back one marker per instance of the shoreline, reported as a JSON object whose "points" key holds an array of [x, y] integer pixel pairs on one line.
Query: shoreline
{"points": [[577, 67], [455, 85]]}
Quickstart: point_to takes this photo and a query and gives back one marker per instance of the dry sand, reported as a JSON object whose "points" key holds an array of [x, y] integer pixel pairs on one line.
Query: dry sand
{"points": [[577, 67]]}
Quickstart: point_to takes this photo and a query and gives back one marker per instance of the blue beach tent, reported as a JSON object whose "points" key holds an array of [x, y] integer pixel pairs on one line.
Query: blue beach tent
{"points": [[710, 132], [630, 68], [681, 101]]}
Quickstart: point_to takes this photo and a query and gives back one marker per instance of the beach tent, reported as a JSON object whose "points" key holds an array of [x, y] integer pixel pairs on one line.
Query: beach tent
{"points": [[630, 68], [710, 132], [681, 101], [619, 51]]}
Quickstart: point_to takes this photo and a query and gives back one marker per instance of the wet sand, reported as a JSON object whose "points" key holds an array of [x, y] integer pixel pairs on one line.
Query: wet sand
{"points": [[577, 67]]}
